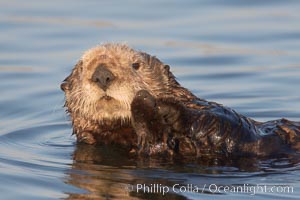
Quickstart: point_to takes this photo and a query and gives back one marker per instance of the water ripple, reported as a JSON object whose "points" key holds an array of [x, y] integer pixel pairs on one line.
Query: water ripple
{"points": [[243, 54]]}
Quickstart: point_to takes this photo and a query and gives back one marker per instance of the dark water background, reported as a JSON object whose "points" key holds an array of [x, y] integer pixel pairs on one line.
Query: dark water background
{"points": [[242, 53]]}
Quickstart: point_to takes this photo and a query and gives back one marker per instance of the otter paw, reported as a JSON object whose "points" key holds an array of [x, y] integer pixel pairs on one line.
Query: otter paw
{"points": [[143, 104], [143, 109], [143, 94]]}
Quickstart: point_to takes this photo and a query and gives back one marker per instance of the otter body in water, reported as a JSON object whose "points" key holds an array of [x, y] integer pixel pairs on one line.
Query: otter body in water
{"points": [[116, 95]]}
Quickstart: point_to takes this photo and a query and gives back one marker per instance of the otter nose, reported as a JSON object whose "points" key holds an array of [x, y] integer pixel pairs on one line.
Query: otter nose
{"points": [[103, 77]]}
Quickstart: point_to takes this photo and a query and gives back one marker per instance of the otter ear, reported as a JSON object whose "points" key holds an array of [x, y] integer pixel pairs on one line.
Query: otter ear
{"points": [[167, 70], [66, 84]]}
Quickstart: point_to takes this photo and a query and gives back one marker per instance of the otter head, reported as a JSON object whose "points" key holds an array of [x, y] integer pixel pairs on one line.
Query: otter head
{"points": [[104, 82]]}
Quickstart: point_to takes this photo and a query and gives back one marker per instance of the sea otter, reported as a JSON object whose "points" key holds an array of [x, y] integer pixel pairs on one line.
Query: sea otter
{"points": [[117, 95]]}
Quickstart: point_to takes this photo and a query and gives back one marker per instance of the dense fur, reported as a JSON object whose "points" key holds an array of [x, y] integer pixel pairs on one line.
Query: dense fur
{"points": [[147, 110]]}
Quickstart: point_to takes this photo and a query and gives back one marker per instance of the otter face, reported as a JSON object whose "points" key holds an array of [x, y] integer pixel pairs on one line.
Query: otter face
{"points": [[104, 82]]}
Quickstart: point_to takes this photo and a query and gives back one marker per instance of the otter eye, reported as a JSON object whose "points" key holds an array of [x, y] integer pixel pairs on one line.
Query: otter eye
{"points": [[136, 66]]}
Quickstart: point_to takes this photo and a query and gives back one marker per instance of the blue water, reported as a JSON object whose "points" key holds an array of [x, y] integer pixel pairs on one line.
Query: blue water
{"points": [[244, 54]]}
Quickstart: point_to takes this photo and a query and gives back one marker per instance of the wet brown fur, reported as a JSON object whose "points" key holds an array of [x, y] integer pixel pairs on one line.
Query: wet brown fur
{"points": [[151, 113]]}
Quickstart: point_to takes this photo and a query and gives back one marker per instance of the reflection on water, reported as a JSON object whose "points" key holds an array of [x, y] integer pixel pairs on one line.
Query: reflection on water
{"points": [[243, 54], [108, 172]]}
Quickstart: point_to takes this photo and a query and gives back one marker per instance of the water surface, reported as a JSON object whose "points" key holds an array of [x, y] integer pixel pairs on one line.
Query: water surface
{"points": [[243, 54]]}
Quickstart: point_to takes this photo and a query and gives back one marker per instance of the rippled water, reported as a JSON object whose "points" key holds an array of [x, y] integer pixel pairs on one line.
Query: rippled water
{"points": [[242, 53]]}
